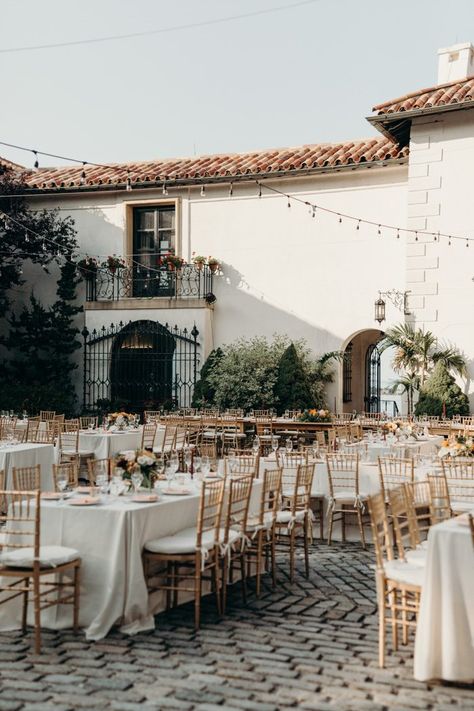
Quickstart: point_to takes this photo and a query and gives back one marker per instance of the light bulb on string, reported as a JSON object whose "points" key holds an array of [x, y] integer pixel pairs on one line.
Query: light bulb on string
{"points": [[231, 190], [449, 241], [379, 232], [358, 225], [259, 190], [27, 239], [398, 233], [83, 174], [36, 163], [164, 191], [467, 242], [203, 191], [340, 219], [128, 181], [313, 207], [288, 204], [416, 236]]}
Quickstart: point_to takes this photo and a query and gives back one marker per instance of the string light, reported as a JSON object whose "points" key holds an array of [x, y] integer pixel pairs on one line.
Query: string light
{"points": [[398, 233], [36, 164], [358, 225], [203, 190], [231, 189], [164, 190], [416, 236], [288, 204], [340, 218], [83, 174], [129, 181], [379, 232], [259, 190]]}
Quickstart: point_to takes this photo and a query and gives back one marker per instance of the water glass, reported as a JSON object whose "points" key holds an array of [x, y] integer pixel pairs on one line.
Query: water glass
{"points": [[289, 445], [62, 482], [256, 445], [275, 443], [205, 466], [174, 462], [137, 478]]}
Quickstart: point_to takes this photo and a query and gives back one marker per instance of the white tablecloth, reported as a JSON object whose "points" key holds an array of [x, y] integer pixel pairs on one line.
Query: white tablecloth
{"points": [[444, 647], [108, 444], [28, 455], [427, 447], [110, 539]]}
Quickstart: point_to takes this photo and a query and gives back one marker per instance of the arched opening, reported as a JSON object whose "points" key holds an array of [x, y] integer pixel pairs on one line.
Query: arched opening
{"points": [[367, 375], [141, 372]]}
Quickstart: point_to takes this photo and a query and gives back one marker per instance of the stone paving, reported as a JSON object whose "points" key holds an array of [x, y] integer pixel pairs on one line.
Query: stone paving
{"points": [[311, 645]]}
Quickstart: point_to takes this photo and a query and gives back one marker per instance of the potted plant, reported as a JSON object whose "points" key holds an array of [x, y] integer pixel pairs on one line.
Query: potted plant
{"points": [[87, 267], [112, 263], [173, 262], [213, 264], [199, 261]]}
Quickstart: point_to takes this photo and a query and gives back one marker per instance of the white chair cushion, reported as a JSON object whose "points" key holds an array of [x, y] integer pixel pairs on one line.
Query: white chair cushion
{"points": [[461, 506], [50, 557], [253, 522], [416, 557], [347, 497], [184, 542], [285, 516], [402, 572]]}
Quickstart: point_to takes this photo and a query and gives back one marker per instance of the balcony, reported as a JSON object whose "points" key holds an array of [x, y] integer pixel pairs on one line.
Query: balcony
{"points": [[137, 283]]}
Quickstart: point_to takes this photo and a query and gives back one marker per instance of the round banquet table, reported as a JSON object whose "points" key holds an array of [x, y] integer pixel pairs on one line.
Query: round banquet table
{"points": [[110, 539], [444, 645], [108, 444], [28, 454]]}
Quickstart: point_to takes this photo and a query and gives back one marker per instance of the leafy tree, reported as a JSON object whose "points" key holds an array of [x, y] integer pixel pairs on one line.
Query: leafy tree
{"points": [[441, 392], [416, 354], [292, 390], [204, 392]]}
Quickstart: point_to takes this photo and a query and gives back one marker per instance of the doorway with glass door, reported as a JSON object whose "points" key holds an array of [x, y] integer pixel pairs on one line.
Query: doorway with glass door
{"points": [[153, 238]]}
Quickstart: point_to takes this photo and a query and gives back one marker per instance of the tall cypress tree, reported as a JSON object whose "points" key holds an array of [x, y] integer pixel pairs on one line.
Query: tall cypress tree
{"points": [[292, 389]]}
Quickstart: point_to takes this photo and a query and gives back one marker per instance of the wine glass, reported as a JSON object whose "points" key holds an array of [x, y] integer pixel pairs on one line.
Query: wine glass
{"points": [[289, 445], [62, 482], [188, 458], [159, 468], [256, 445], [174, 462], [102, 482], [274, 444], [205, 466], [137, 478], [169, 472]]}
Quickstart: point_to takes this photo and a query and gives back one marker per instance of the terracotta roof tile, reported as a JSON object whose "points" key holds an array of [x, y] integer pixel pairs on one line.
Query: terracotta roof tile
{"points": [[258, 164], [446, 94]]}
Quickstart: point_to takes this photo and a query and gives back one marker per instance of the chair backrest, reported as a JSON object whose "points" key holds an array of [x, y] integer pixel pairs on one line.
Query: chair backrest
{"points": [[397, 498], [32, 428], [26, 478], [70, 469], [343, 473], [380, 530], [291, 414], [393, 472], [238, 499], [299, 498], [22, 521], [440, 503], [355, 431], [210, 511], [169, 438], [332, 436], [270, 499], [471, 526], [69, 438], [291, 460], [262, 413], [180, 439], [148, 435], [47, 415], [193, 431], [321, 438], [208, 449], [19, 434], [235, 412], [240, 464], [98, 467], [151, 415], [419, 514], [263, 425], [459, 475], [7, 424], [86, 422]]}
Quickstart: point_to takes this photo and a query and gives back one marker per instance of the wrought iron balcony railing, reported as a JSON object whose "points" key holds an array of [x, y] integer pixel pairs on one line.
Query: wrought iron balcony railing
{"points": [[137, 282]]}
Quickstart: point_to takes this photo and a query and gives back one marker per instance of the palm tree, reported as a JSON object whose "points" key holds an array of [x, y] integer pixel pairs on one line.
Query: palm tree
{"points": [[416, 353]]}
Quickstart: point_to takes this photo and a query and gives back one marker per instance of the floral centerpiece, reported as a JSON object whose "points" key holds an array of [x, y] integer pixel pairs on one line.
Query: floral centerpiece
{"points": [[112, 263], [142, 461], [119, 420], [460, 446], [399, 429], [87, 267], [315, 415]]}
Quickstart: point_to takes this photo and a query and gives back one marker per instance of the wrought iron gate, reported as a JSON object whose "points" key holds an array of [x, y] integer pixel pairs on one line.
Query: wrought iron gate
{"points": [[139, 365], [372, 379]]}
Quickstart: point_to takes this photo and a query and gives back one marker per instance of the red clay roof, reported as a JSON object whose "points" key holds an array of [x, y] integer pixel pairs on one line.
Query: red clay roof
{"points": [[456, 92], [221, 167], [5, 163]]}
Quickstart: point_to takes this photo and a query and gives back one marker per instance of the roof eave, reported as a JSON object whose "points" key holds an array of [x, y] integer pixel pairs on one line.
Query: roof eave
{"points": [[402, 120]]}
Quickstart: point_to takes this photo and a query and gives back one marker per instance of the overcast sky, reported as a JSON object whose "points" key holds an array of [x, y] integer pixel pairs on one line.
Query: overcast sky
{"points": [[305, 74]]}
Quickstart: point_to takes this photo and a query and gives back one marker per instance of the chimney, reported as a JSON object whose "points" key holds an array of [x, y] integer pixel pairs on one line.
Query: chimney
{"points": [[456, 62]]}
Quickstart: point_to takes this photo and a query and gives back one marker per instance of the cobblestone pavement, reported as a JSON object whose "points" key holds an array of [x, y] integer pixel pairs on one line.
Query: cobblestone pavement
{"points": [[311, 645]]}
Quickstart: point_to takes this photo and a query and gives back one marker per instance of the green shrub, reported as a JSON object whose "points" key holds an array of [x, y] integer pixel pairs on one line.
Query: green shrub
{"points": [[292, 390], [442, 390]]}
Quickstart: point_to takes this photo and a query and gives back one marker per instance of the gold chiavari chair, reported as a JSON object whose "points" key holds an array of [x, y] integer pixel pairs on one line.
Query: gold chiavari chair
{"points": [[295, 515], [47, 415], [26, 478], [320, 439], [419, 514], [264, 431], [230, 432], [405, 535], [69, 443], [345, 497], [398, 583], [291, 460], [261, 526], [459, 475], [168, 442], [45, 436], [440, 504], [263, 413], [193, 432], [208, 449], [88, 421], [19, 435], [232, 540], [235, 412], [190, 554], [471, 526], [241, 464], [393, 472], [7, 424], [71, 470], [99, 467], [3, 501], [151, 416], [148, 435], [332, 439], [355, 432], [23, 559], [32, 428]]}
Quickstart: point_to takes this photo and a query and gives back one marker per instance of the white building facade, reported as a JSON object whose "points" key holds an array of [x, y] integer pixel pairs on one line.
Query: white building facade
{"points": [[285, 267]]}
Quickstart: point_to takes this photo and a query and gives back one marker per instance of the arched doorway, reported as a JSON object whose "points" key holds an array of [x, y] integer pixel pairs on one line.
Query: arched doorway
{"points": [[141, 372], [361, 372]]}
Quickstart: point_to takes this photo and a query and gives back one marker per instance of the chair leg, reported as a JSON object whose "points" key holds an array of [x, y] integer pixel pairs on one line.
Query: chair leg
{"points": [[175, 584], [224, 578], [321, 519], [273, 558], [331, 522], [168, 585], [197, 594], [343, 523], [243, 577], [215, 579], [25, 605], [292, 554], [306, 523], [37, 613], [361, 526], [381, 605], [77, 590], [259, 561], [404, 618]]}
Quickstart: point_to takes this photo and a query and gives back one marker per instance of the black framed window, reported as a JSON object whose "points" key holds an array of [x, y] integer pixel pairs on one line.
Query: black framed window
{"points": [[154, 235], [347, 374]]}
